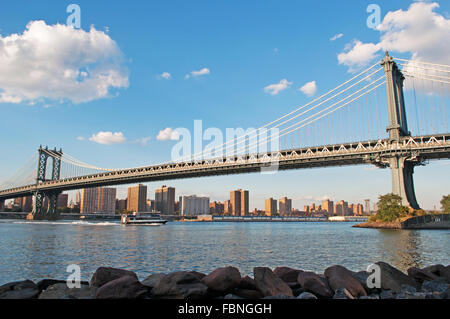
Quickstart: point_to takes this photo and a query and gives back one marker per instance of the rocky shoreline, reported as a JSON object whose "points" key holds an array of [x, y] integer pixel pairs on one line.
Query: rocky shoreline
{"points": [[337, 282]]}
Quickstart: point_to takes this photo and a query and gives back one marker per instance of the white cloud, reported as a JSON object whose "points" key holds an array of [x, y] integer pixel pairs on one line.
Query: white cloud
{"points": [[168, 135], [108, 138], [80, 138], [419, 31], [274, 89], [58, 62], [204, 71], [309, 89], [336, 36], [358, 54], [166, 75]]}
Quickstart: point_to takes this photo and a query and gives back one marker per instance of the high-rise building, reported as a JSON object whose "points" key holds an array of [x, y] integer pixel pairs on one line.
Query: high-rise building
{"points": [[285, 206], [78, 198], [27, 204], [150, 205], [367, 206], [271, 207], [98, 200], [227, 207], [328, 206], [216, 208], [63, 200], [239, 200], [194, 206], [244, 202], [137, 198], [165, 200], [121, 204], [235, 201]]}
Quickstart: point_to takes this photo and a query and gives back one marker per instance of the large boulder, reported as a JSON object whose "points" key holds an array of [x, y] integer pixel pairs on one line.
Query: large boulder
{"points": [[19, 290], [435, 269], [314, 284], [306, 295], [104, 275], [247, 283], [61, 291], [420, 275], [340, 277], [445, 273], [223, 279], [248, 293], [288, 275], [153, 280], [393, 279], [126, 287], [180, 285], [269, 284]]}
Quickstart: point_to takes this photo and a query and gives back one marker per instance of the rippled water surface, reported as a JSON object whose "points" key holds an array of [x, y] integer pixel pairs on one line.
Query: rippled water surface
{"points": [[36, 250]]}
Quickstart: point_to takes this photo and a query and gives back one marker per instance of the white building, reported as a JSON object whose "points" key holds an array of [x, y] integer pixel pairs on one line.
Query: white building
{"points": [[194, 206]]}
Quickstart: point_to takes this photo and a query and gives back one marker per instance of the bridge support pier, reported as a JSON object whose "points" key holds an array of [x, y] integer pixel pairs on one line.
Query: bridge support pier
{"points": [[402, 180], [41, 211]]}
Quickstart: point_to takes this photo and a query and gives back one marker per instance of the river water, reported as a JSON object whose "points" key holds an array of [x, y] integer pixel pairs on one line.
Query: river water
{"points": [[36, 250]]}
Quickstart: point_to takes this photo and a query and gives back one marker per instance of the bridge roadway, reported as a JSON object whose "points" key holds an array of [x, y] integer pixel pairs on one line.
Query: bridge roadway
{"points": [[417, 149]]}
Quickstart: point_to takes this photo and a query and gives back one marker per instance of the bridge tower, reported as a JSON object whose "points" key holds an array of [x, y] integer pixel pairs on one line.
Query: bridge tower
{"points": [[39, 211], [402, 166]]}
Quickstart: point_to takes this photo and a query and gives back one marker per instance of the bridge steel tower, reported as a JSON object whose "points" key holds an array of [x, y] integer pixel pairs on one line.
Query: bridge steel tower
{"points": [[39, 211], [402, 166]]}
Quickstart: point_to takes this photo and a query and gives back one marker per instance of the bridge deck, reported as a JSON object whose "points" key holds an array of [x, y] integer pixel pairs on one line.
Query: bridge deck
{"points": [[419, 148]]}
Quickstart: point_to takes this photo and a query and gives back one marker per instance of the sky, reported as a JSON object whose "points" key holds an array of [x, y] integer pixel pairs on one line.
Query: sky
{"points": [[112, 92]]}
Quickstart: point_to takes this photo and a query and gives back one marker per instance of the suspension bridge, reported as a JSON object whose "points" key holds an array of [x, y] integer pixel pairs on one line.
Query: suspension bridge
{"points": [[362, 121]]}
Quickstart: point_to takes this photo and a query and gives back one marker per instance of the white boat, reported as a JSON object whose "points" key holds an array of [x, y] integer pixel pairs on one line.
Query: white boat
{"points": [[142, 219]]}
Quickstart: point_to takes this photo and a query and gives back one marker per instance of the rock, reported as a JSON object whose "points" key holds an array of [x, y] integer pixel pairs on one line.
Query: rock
{"points": [[420, 275], [434, 269], [387, 294], [393, 279], [223, 279], [180, 285], [369, 297], [340, 277], [287, 274], [61, 291], [445, 294], [293, 285], [231, 296], [248, 293], [104, 275], [19, 290], [197, 274], [407, 289], [445, 273], [247, 283], [315, 284], [362, 276], [298, 291], [269, 284], [342, 293], [126, 287], [435, 286], [45, 283], [153, 280], [279, 297], [306, 295]]}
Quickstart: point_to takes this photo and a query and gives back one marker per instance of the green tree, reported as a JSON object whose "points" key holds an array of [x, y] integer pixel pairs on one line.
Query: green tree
{"points": [[390, 208], [445, 203]]}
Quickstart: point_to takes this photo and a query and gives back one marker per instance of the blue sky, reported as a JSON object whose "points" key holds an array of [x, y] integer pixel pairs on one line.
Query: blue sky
{"points": [[245, 45]]}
